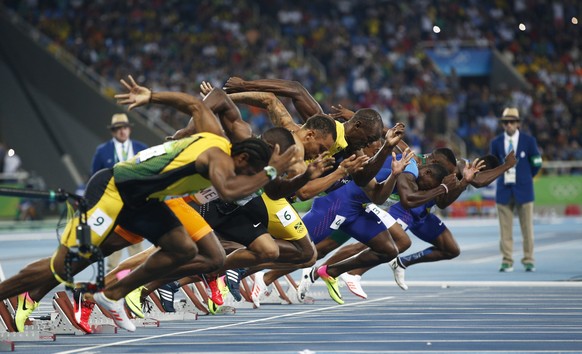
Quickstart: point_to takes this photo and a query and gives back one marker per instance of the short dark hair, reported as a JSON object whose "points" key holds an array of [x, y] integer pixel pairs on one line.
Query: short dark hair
{"points": [[278, 135], [369, 117], [258, 150], [491, 161], [322, 123], [447, 153], [370, 121]]}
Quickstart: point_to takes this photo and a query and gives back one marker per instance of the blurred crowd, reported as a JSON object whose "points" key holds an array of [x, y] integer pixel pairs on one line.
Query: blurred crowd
{"points": [[358, 53]]}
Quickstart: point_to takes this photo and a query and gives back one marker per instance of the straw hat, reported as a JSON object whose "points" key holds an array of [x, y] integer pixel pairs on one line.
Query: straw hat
{"points": [[510, 114], [119, 120]]}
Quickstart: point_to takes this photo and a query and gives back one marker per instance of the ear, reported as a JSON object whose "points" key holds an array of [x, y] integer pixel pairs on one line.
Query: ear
{"points": [[242, 157]]}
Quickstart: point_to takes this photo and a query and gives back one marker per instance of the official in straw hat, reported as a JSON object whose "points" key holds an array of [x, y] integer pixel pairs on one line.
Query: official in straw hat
{"points": [[515, 190], [119, 148], [119, 120]]}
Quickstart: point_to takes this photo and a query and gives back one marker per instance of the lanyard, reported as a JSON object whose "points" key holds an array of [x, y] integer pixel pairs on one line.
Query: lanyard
{"points": [[124, 153]]}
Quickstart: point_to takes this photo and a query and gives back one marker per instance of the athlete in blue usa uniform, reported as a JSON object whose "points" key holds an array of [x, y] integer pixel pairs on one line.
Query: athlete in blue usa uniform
{"points": [[341, 209], [430, 228]]}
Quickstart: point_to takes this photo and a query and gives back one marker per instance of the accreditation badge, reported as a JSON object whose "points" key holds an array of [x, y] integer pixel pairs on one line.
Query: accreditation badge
{"points": [[510, 176]]}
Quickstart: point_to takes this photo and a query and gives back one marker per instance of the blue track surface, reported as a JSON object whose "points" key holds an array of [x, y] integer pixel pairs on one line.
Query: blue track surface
{"points": [[462, 305]]}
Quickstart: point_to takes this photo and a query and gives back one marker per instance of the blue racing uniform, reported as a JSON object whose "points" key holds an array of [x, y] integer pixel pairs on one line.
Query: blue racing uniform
{"points": [[349, 209]]}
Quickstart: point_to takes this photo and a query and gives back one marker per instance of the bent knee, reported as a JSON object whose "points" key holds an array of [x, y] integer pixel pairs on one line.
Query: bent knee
{"points": [[308, 255], [311, 261], [185, 254], [216, 261], [454, 253], [269, 255]]}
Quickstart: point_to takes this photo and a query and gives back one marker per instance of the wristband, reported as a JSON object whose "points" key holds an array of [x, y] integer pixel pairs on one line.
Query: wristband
{"points": [[446, 188], [151, 95], [271, 172]]}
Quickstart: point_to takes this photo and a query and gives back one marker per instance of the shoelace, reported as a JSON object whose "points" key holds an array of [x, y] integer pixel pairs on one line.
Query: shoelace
{"points": [[146, 306]]}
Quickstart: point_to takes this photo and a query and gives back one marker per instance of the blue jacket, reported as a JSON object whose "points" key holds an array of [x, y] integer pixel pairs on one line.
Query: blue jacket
{"points": [[529, 162], [105, 154]]}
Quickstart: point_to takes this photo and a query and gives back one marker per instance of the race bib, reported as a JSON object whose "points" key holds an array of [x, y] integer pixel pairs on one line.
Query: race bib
{"points": [[339, 220], [384, 217], [402, 223], [151, 152], [206, 195], [286, 215], [99, 222]]}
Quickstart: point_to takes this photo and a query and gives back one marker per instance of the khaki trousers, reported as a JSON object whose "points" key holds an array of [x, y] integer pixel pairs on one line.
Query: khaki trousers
{"points": [[525, 215]]}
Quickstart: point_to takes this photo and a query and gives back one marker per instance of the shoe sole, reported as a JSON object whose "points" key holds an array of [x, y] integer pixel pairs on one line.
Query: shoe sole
{"points": [[330, 289]]}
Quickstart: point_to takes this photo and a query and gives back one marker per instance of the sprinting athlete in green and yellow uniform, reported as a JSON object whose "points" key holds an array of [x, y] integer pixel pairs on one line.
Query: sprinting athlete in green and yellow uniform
{"points": [[129, 195]]}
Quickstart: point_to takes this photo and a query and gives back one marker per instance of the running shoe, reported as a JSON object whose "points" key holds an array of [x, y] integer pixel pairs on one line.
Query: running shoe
{"points": [[25, 307], [134, 303], [259, 288], [116, 310], [353, 283], [212, 307], [166, 294], [398, 270], [331, 282], [83, 310], [232, 278], [506, 268], [213, 290], [221, 282], [529, 267], [305, 283]]}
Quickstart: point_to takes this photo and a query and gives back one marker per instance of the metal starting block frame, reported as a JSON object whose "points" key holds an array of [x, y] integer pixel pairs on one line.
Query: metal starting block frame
{"points": [[197, 298], [284, 291], [99, 317], [64, 318], [9, 334], [157, 312]]}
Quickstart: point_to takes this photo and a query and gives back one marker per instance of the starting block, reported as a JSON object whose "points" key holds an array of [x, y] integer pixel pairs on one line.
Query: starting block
{"points": [[282, 294], [194, 300], [196, 297], [63, 320], [99, 317], [284, 291], [9, 334], [158, 313]]}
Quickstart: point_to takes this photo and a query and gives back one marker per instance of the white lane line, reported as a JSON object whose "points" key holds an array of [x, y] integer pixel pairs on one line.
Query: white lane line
{"points": [[516, 283], [224, 326]]}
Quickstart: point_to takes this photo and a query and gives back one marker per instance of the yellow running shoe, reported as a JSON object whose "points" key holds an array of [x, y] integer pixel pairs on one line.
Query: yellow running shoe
{"points": [[133, 301], [222, 286], [212, 307], [25, 307], [332, 285]]}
